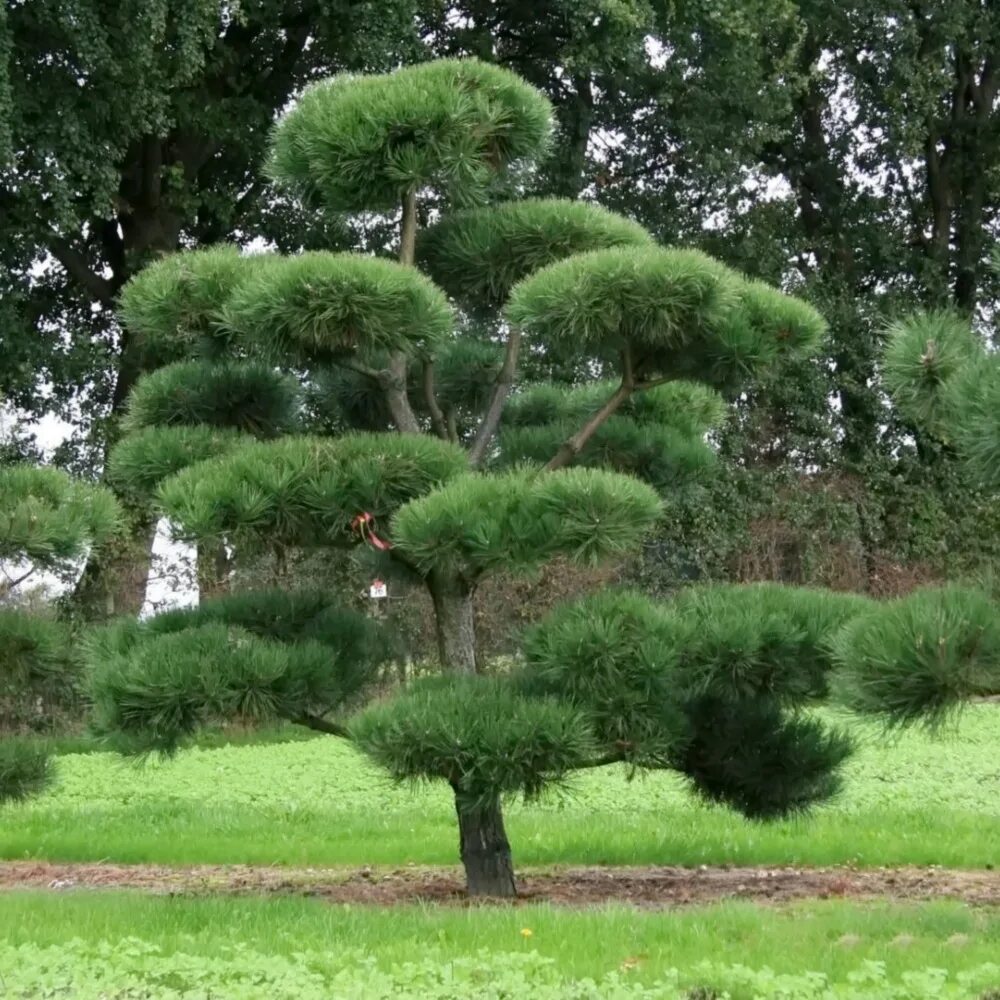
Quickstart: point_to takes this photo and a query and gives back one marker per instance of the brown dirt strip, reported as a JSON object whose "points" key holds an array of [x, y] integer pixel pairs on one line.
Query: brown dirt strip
{"points": [[646, 887]]}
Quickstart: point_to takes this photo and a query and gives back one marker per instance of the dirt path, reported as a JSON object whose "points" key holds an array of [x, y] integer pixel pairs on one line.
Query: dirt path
{"points": [[649, 887]]}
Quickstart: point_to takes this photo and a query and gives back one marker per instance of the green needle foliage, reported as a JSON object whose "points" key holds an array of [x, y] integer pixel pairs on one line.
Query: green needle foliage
{"points": [[173, 306], [687, 407], [141, 461], [751, 756], [517, 520], [478, 734], [703, 685], [478, 255], [50, 519], [919, 658], [25, 770], [163, 690], [763, 640], [319, 308], [614, 656], [357, 143], [32, 648], [680, 313], [667, 460], [305, 491], [242, 395], [972, 398], [922, 355]]}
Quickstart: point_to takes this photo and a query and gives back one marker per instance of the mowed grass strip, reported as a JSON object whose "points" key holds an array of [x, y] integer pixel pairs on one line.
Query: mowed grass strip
{"points": [[912, 800], [831, 937]]}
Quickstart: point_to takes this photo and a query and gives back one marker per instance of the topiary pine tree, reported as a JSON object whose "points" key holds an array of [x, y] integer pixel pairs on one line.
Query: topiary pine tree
{"points": [[442, 495], [48, 523]]}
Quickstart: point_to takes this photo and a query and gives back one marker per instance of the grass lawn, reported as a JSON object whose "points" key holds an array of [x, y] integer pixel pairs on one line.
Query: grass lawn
{"points": [[303, 948], [911, 800]]}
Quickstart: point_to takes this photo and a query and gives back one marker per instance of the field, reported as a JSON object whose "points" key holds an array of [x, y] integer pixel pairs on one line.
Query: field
{"points": [[911, 801]]}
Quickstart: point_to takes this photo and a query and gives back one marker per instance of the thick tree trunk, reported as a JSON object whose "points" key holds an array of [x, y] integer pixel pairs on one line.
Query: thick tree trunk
{"points": [[455, 625], [485, 849], [114, 580], [213, 570]]}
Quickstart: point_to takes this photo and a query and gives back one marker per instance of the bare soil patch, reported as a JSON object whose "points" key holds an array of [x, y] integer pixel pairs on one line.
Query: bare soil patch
{"points": [[646, 887]]}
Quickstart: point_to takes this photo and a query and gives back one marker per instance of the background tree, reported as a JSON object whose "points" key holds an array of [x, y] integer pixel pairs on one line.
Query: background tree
{"points": [[127, 132]]}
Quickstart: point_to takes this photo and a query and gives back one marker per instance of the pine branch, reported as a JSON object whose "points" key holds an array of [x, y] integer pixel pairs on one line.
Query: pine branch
{"points": [[491, 419]]}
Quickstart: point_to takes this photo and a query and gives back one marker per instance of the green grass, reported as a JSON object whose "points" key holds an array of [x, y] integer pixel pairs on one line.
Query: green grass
{"points": [[834, 939], [914, 801]]}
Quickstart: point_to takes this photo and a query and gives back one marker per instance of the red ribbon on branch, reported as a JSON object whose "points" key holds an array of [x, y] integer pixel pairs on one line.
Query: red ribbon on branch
{"points": [[364, 525]]}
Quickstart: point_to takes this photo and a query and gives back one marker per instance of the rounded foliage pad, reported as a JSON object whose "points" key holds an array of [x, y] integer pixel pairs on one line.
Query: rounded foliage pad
{"points": [[47, 517], [139, 462], [321, 307], [173, 306], [479, 734], [762, 640], [919, 657], [517, 520], [242, 395], [305, 491], [353, 143], [680, 313], [479, 254], [614, 656]]}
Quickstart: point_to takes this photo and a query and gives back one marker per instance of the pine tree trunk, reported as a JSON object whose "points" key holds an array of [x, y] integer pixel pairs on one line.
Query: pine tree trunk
{"points": [[213, 570], [485, 849], [114, 580], [455, 625]]}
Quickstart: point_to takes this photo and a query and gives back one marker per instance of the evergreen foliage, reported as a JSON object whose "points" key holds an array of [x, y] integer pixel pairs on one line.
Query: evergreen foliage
{"points": [[477, 523], [478, 255], [923, 353], [32, 648], [141, 461], [25, 770], [919, 658], [478, 734], [320, 307], [686, 685], [173, 306], [357, 143], [305, 491], [50, 519], [943, 380], [242, 395]]}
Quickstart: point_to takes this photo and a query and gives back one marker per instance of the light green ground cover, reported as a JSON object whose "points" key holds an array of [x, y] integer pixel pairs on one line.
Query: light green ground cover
{"points": [[915, 800], [98, 944]]}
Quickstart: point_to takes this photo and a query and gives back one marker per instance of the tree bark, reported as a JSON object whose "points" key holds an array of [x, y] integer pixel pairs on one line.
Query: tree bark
{"points": [[484, 849], [455, 624], [393, 379], [114, 580], [213, 570]]}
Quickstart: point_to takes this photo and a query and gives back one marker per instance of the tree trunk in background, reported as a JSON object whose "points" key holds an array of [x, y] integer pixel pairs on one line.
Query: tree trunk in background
{"points": [[485, 849], [114, 580], [455, 624], [213, 570]]}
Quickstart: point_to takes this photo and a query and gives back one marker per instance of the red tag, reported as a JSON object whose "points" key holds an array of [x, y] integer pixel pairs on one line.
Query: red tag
{"points": [[363, 524]]}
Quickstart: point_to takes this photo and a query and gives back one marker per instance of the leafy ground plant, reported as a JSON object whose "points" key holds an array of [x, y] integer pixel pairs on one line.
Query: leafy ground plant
{"points": [[252, 948]]}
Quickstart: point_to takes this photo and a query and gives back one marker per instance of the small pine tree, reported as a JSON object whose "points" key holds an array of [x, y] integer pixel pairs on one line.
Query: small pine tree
{"points": [[438, 457], [48, 523]]}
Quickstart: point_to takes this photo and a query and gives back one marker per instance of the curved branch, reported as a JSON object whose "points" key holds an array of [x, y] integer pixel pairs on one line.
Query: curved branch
{"points": [[437, 416], [491, 419]]}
